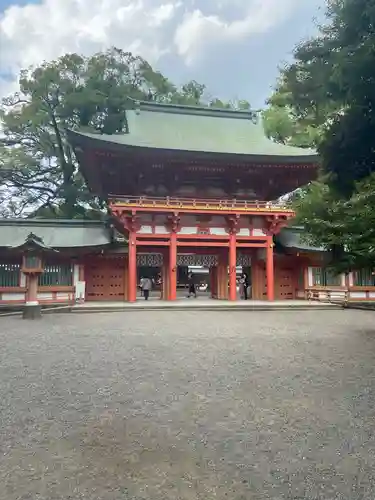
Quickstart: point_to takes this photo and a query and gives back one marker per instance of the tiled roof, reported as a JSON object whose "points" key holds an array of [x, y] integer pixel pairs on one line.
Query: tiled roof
{"points": [[293, 237], [54, 233], [197, 129]]}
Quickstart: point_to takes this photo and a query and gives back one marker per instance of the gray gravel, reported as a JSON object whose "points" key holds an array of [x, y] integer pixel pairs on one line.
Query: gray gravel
{"points": [[188, 405]]}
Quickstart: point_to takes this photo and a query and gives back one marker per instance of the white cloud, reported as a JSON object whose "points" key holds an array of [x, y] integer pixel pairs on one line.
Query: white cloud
{"points": [[197, 31], [150, 28]]}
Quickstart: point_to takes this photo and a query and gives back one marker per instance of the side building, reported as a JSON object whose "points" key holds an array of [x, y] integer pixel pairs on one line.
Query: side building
{"points": [[89, 262]]}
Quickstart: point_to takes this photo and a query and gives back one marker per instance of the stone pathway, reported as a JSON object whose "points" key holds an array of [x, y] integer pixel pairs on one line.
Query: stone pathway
{"points": [[188, 405]]}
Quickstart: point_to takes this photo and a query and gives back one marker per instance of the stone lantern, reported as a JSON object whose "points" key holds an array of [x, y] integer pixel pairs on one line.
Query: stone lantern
{"points": [[33, 252]]}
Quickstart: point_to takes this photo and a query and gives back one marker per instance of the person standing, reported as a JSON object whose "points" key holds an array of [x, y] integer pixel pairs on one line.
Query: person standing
{"points": [[146, 287], [191, 284], [244, 284]]}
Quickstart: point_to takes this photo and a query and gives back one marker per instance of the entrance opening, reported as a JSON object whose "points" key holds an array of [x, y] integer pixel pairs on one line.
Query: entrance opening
{"points": [[155, 275]]}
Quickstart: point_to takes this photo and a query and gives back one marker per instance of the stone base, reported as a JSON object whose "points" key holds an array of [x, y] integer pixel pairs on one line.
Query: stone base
{"points": [[33, 311]]}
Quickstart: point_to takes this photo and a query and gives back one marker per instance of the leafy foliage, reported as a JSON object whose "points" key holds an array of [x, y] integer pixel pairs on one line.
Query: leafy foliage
{"points": [[38, 170], [345, 226], [327, 96], [331, 87]]}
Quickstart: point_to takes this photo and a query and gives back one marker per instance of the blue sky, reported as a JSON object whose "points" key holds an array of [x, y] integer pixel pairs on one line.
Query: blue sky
{"points": [[233, 46]]}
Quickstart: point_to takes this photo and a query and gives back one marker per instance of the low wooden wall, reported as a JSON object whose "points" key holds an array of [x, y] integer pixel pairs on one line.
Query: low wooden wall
{"points": [[46, 295]]}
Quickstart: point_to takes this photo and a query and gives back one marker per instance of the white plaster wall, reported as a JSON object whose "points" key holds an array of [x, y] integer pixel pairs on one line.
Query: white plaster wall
{"points": [[12, 296], [351, 279], [310, 280], [145, 230], [218, 231], [161, 230], [343, 280], [77, 284], [188, 230], [371, 295], [244, 232], [357, 295], [45, 296], [63, 296], [258, 232], [80, 290]]}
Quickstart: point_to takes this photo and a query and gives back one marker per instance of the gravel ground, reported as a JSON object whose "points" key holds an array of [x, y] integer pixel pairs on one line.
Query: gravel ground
{"points": [[188, 405]]}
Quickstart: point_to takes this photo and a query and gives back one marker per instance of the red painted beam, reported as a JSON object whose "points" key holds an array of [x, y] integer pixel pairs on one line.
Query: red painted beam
{"points": [[251, 245], [202, 244], [153, 243]]}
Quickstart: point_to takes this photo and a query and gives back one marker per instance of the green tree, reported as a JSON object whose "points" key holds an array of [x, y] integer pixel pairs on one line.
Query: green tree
{"points": [[346, 227], [329, 90], [37, 166], [331, 86]]}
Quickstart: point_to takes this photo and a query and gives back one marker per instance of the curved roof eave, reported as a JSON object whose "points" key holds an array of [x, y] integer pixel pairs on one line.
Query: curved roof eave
{"points": [[123, 142]]}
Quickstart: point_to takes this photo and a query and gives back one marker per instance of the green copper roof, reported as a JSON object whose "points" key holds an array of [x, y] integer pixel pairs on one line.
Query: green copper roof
{"points": [[55, 233], [293, 237], [197, 129]]}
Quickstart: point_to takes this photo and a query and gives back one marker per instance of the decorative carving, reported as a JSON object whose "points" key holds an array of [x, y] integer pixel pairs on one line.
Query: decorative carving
{"points": [[130, 221], [173, 223], [232, 223], [275, 224]]}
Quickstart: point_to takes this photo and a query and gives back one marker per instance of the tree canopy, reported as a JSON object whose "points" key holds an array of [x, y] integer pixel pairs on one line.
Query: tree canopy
{"points": [[38, 169], [328, 92], [326, 98]]}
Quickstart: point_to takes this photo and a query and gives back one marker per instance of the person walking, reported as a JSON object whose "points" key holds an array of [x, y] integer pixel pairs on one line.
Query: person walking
{"points": [[191, 284], [141, 285], [146, 287], [244, 284]]}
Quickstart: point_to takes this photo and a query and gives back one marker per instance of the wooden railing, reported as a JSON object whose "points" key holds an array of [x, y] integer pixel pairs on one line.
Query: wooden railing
{"points": [[199, 204], [331, 295]]}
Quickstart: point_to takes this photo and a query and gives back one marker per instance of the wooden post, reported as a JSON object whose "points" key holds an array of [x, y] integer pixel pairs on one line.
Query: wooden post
{"points": [[270, 270], [32, 309], [132, 268], [173, 267], [165, 275], [32, 290], [232, 267]]}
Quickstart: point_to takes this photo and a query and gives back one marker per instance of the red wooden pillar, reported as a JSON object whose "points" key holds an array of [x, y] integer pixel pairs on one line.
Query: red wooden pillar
{"points": [[232, 267], [173, 267], [165, 275], [222, 276], [132, 268], [270, 270]]}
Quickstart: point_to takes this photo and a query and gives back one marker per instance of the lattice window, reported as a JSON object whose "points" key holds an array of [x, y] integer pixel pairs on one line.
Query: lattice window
{"points": [[243, 260], [10, 275], [197, 260], [57, 275], [150, 260], [364, 277], [325, 277]]}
